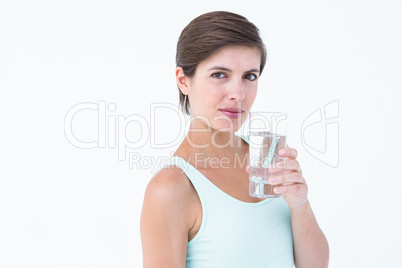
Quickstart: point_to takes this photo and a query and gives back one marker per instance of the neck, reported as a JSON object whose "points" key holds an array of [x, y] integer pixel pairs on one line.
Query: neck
{"points": [[212, 142]]}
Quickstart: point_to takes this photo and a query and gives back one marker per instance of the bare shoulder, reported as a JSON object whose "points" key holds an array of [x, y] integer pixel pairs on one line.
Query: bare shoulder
{"points": [[170, 183], [167, 218], [170, 193]]}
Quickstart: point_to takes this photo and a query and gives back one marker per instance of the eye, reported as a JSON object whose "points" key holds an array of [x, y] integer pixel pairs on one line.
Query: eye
{"points": [[218, 75], [250, 77]]}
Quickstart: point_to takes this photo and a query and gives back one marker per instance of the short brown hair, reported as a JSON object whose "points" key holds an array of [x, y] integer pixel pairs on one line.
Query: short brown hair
{"points": [[206, 34]]}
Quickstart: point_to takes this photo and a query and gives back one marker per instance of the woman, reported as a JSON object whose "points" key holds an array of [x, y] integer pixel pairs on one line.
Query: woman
{"points": [[197, 212]]}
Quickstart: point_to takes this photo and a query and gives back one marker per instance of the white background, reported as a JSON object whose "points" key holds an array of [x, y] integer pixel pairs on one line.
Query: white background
{"points": [[65, 206]]}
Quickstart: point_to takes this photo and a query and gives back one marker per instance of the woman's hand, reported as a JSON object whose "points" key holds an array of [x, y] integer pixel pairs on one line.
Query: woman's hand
{"points": [[289, 180], [289, 173], [310, 245]]}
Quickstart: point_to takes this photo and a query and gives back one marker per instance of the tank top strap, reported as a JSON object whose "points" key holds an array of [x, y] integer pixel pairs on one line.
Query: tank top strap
{"points": [[194, 175], [245, 138], [208, 191]]}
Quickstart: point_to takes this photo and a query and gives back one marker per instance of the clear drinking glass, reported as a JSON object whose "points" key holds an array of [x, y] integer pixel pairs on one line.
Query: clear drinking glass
{"points": [[267, 134]]}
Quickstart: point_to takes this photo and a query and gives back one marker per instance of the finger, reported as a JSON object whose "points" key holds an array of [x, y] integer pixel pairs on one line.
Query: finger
{"points": [[292, 165], [288, 152], [294, 177], [296, 189]]}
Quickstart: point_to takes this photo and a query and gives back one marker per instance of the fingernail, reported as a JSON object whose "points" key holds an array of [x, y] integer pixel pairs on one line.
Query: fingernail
{"points": [[272, 180], [282, 151], [277, 190]]}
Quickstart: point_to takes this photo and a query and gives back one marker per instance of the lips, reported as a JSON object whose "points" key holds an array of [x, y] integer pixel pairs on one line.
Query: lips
{"points": [[232, 112]]}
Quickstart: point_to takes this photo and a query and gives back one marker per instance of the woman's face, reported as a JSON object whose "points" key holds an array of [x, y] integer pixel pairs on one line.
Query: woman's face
{"points": [[224, 87]]}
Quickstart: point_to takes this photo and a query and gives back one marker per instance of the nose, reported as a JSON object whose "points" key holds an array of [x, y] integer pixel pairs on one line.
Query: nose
{"points": [[236, 90]]}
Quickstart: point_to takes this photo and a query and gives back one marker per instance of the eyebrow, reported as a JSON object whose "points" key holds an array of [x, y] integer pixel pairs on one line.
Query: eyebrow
{"points": [[228, 70]]}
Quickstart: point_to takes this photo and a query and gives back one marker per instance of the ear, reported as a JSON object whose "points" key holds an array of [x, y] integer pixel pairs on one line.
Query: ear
{"points": [[182, 80]]}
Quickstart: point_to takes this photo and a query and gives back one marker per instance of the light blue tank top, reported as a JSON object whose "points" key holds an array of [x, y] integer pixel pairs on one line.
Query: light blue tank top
{"points": [[234, 233]]}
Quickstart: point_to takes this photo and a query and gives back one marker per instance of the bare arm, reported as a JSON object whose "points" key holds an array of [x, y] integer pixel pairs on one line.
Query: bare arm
{"points": [[311, 248], [165, 220], [310, 245]]}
